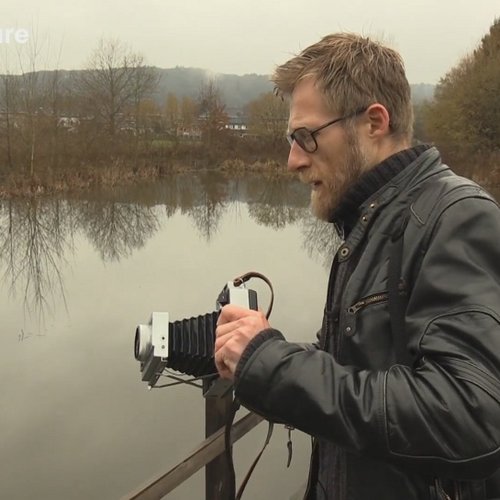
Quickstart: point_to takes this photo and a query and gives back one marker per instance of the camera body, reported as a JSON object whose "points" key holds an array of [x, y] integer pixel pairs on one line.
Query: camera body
{"points": [[185, 345]]}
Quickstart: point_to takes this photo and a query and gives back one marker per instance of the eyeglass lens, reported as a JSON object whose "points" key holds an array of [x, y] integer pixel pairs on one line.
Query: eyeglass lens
{"points": [[304, 139]]}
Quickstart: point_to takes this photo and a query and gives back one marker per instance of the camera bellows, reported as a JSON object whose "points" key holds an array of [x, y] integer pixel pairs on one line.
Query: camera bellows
{"points": [[191, 344]]}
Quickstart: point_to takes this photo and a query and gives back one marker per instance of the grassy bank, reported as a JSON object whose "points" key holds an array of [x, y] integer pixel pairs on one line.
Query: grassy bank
{"points": [[17, 184], [88, 159]]}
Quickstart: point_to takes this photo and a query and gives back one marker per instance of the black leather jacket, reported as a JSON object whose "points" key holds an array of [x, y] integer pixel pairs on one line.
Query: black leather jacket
{"points": [[385, 429]]}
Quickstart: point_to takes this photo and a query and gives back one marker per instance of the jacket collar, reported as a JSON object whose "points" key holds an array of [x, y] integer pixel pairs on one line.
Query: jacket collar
{"points": [[425, 166]]}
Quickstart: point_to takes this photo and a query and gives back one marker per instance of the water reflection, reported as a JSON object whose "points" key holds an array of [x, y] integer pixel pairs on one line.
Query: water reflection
{"points": [[36, 235], [320, 239], [34, 239], [116, 229], [209, 202], [271, 203]]}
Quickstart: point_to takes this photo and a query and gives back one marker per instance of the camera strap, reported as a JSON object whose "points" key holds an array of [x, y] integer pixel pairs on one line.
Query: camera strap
{"points": [[238, 281], [229, 453]]}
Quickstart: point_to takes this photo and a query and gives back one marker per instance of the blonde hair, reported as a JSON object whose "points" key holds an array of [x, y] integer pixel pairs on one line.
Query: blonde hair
{"points": [[353, 72]]}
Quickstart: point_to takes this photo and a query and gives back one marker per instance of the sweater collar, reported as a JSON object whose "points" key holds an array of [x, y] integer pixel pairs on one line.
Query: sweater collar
{"points": [[347, 213]]}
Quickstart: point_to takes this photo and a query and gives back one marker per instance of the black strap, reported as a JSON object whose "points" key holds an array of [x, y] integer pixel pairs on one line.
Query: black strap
{"points": [[398, 298], [397, 288], [398, 303], [229, 453], [254, 463]]}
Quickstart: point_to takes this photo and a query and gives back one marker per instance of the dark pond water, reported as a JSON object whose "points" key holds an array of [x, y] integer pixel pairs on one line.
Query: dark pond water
{"points": [[79, 274]]}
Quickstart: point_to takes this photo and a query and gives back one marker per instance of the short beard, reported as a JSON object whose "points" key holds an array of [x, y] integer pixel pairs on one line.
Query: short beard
{"points": [[355, 165]]}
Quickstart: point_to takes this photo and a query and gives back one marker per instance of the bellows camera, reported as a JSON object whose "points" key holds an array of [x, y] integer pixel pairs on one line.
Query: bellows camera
{"points": [[186, 345]]}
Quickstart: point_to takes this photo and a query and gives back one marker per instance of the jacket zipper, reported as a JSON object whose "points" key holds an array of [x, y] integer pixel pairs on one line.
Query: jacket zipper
{"points": [[340, 282], [368, 301], [376, 298], [329, 300]]}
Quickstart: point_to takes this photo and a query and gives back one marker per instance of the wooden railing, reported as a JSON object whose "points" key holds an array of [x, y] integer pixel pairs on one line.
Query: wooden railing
{"points": [[208, 454]]}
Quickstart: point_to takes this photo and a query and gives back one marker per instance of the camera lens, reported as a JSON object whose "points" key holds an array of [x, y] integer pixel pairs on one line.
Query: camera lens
{"points": [[142, 342]]}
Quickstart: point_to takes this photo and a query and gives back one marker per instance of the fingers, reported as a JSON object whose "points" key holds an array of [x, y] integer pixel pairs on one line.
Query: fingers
{"points": [[236, 327], [222, 368], [224, 334], [233, 312], [236, 321]]}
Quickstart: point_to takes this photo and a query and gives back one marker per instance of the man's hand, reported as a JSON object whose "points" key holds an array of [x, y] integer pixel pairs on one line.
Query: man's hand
{"points": [[236, 327]]}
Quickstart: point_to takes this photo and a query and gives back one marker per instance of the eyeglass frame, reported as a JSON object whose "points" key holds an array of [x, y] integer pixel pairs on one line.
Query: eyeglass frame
{"points": [[291, 136]]}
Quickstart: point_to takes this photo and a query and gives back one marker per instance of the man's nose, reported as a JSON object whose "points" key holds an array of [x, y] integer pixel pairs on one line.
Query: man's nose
{"points": [[297, 158]]}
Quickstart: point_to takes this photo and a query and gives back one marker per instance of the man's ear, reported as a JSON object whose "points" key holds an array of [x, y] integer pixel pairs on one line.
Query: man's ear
{"points": [[379, 120]]}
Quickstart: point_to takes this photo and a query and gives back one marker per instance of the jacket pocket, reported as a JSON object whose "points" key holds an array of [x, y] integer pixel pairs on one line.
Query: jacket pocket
{"points": [[354, 313], [365, 329], [468, 372]]}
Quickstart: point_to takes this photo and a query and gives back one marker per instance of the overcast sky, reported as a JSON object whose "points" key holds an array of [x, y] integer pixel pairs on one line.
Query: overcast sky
{"points": [[251, 36]]}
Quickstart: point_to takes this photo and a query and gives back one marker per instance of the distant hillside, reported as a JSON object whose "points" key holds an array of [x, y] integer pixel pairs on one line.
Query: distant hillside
{"points": [[239, 90], [236, 90], [422, 92]]}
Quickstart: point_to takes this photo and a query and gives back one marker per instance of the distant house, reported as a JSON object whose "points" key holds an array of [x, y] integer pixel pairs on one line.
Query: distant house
{"points": [[237, 121]]}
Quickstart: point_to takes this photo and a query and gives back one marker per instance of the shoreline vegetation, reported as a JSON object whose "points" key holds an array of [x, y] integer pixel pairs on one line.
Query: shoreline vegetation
{"points": [[484, 169], [119, 160], [116, 174]]}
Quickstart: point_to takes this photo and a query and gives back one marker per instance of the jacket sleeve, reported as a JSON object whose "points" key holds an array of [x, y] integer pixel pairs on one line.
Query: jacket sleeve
{"points": [[442, 414]]}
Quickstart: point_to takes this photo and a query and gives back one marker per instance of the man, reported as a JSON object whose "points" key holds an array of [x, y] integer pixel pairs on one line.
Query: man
{"points": [[402, 392]]}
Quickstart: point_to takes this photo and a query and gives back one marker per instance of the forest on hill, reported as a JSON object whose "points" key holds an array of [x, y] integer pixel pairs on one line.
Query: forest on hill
{"points": [[463, 118]]}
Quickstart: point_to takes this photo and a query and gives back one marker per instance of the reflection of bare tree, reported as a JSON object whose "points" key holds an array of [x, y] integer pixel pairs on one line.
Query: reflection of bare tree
{"points": [[320, 239], [115, 228], [209, 204], [34, 237], [169, 196], [206, 218], [279, 203]]}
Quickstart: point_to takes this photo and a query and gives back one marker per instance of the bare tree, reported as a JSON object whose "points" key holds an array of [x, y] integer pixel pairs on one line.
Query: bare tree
{"points": [[37, 100], [172, 112], [212, 112], [9, 94], [145, 80], [268, 116], [116, 79], [188, 112], [54, 96], [31, 96]]}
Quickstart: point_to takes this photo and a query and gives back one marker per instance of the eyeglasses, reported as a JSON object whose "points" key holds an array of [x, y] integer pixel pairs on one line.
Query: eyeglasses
{"points": [[306, 139]]}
